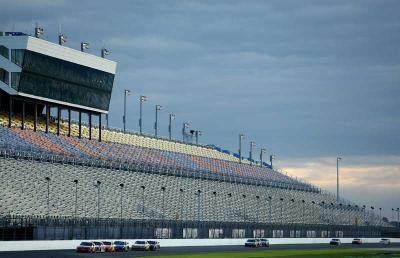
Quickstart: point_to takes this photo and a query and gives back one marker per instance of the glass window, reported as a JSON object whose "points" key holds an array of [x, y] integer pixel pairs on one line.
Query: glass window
{"points": [[4, 76], [52, 78], [15, 79], [17, 56], [190, 233], [4, 51]]}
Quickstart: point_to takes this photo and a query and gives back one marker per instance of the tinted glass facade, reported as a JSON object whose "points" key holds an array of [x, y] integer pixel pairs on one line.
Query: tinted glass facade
{"points": [[17, 56], [4, 51], [3, 76], [56, 79]]}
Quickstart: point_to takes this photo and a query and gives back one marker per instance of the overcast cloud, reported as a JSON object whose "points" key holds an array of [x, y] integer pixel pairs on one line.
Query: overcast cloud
{"points": [[308, 80]]}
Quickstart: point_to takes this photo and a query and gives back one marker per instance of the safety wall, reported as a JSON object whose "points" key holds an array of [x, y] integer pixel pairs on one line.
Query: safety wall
{"points": [[71, 244]]}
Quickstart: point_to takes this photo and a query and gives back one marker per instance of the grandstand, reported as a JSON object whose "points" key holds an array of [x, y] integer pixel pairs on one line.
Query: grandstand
{"points": [[80, 180]]}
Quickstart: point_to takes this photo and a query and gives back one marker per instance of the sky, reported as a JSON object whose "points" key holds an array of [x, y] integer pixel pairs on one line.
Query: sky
{"points": [[307, 80]]}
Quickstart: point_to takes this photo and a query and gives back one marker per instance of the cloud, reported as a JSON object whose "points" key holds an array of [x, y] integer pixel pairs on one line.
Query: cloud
{"points": [[371, 180], [153, 43]]}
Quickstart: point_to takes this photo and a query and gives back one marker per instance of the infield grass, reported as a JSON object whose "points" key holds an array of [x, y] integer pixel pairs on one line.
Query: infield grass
{"points": [[323, 253]]}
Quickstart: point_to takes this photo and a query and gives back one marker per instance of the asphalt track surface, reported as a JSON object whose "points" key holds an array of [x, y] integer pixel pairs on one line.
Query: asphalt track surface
{"points": [[178, 250]]}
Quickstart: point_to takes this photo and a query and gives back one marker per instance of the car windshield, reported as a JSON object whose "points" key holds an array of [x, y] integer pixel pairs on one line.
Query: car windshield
{"points": [[140, 242], [107, 243], [356, 239], [263, 239], [251, 241], [335, 239], [152, 242], [86, 244], [97, 243], [119, 243]]}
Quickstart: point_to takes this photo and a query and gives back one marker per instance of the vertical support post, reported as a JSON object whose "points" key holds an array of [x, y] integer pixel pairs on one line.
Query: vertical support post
{"points": [[69, 122], [58, 119], [99, 127], [10, 104], [80, 124], [35, 118], [23, 115], [47, 117], [90, 125]]}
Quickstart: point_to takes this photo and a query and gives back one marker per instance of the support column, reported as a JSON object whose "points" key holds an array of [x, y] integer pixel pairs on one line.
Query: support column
{"points": [[35, 118], [90, 125], [69, 122], [99, 127], [58, 119], [80, 124], [23, 115], [47, 117], [10, 103]]}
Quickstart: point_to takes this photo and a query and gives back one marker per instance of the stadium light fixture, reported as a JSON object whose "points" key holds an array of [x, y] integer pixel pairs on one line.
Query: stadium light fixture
{"points": [[158, 108], [263, 150], [39, 31], [126, 93], [337, 178], [241, 137], [171, 117], [184, 126], [141, 100], [62, 39], [84, 46], [104, 52]]}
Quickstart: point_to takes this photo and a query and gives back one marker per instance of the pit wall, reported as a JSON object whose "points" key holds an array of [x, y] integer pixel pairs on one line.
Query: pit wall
{"points": [[71, 244]]}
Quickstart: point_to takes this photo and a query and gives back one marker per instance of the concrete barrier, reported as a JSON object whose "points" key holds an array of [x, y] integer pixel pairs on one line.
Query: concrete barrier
{"points": [[71, 244]]}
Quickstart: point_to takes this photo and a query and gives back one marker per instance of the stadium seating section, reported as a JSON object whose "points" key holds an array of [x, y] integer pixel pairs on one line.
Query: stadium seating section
{"points": [[131, 148], [24, 188]]}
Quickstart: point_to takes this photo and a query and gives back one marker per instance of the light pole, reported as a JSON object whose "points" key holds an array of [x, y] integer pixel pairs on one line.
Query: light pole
{"points": [[313, 212], [121, 228], [380, 213], [197, 133], [252, 144], [271, 158], [76, 198], [143, 187], [215, 206], [126, 93], [181, 202], [230, 207], [261, 156], [304, 215], [241, 137], [122, 188], [281, 199], [171, 117], [141, 100], [258, 209], [184, 126], [97, 185], [163, 202], [158, 108], [48, 195], [198, 205], [244, 207], [337, 177], [398, 217], [270, 209]]}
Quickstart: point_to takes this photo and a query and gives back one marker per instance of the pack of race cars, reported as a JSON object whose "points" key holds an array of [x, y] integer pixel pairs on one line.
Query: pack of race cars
{"points": [[117, 246]]}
